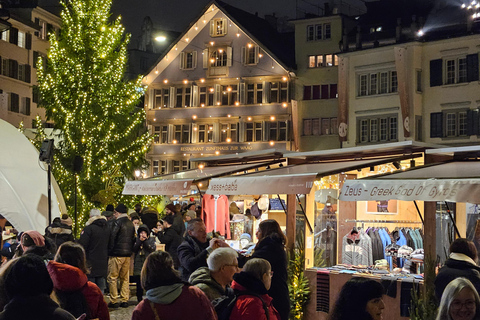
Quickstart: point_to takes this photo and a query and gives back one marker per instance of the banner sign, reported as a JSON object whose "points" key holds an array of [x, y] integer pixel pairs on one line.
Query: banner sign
{"points": [[454, 190], [157, 187], [286, 184]]}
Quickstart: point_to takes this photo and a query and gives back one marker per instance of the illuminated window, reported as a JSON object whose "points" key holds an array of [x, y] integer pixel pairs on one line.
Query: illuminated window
{"points": [[218, 27]]}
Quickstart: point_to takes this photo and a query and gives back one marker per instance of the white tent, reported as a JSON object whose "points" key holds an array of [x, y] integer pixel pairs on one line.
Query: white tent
{"points": [[23, 183]]}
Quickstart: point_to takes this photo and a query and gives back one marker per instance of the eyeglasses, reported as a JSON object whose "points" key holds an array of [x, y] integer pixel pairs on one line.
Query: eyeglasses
{"points": [[457, 304], [231, 265], [271, 274]]}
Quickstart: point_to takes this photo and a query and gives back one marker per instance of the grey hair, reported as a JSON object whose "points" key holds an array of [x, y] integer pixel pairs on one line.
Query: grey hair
{"points": [[220, 257], [449, 294], [191, 223], [257, 267], [94, 212]]}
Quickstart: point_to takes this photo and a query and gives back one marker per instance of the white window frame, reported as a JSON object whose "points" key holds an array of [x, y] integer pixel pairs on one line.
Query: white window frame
{"points": [[218, 27]]}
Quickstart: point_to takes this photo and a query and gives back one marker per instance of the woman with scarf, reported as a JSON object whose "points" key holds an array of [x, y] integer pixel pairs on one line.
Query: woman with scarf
{"points": [[168, 297]]}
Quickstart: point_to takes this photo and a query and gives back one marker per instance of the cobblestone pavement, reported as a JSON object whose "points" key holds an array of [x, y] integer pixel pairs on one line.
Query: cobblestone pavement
{"points": [[123, 313]]}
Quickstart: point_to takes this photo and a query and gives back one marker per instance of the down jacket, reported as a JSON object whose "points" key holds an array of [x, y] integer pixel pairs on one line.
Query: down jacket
{"points": [[122, 237], [67, 278], [249, 307]]}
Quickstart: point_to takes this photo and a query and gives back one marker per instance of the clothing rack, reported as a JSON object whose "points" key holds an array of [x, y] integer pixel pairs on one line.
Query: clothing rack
{"points": [[382, 221]]}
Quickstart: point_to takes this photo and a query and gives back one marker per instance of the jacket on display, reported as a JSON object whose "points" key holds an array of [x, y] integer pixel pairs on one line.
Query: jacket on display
{"points": [[223, 214]]}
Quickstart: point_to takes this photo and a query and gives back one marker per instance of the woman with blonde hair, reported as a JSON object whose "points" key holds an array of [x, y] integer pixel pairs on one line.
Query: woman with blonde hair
{"points": [[460, 301]]}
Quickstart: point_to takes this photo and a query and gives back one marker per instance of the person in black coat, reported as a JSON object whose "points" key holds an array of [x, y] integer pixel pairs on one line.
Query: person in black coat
{"points": [[168, 236], [461, 263], [94, 239], [149, 217], [271, 247]]}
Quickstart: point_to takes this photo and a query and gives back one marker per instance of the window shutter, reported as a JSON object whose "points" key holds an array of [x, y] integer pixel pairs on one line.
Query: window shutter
{"points": [[205, 59], [182, 60], [436, 74], [212, 28], [216, 131], [436, 125], [194, 135], [13, 68], [194, 59], [1, 65], [472, 122], [13, 35], [266, 92], [257, 51], [28, 72], [172, 97], [27, 106], [35, 58], [170, 133], [241, 131], [244, 55], [194, 96], [472, 67], [229, 56], [37, 22], [266, 130], [307, 92], [241, 92], [218, 94], [324, 89], [225, 26], [28, 41]]}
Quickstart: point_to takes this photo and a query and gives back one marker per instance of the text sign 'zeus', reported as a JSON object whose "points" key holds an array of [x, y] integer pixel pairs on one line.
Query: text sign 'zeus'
{"points": [[466, 190]]}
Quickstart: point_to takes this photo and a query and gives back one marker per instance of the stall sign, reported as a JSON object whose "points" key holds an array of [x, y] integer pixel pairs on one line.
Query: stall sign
{"points": [[157, 187], [281, 184], [454, 190]]}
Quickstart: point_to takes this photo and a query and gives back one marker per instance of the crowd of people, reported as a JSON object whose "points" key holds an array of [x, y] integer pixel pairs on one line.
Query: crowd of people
{"points": [[196, 276]]}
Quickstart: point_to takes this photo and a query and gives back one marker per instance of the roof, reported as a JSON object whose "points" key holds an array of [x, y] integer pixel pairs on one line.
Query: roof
{"points": [[242, 157]]}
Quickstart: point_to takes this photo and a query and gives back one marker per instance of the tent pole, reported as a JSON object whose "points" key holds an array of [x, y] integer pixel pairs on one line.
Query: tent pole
{"points": [[453, 221], [305, 215], [418, 210], [281, 203], [49, 193]]}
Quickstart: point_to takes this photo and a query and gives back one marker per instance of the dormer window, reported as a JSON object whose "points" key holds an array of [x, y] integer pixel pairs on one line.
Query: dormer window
{"points": [[218, 27]]}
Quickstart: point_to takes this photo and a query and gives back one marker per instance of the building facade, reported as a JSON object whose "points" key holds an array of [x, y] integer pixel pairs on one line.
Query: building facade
{"points": [[20, 47], [220, 88]]}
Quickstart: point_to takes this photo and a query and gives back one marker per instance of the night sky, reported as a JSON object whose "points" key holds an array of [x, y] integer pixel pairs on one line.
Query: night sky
{"points": [[178, 14]]}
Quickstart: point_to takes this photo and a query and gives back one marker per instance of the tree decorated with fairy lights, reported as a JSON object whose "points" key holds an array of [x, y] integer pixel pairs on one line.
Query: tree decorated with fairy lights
{"points": [[84, 92]]}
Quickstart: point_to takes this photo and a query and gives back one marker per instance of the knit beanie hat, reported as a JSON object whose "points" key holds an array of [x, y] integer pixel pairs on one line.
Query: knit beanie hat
{"points": [[65, 219], [31, 238], [28, 277], [171, 206], [121, 208], [94, 212]]}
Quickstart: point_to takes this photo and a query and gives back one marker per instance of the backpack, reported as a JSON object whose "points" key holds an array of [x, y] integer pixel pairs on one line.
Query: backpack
{"points": [[224, 305]]}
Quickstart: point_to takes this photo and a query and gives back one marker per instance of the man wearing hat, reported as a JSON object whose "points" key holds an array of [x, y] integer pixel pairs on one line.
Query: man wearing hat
{"points": [[120, 248]]}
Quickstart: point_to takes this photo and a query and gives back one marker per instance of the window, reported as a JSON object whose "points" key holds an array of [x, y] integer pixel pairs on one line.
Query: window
{"points": [[228, 132], [377, 83], [274, 92], [455, 123], [218, 27], [259, 93], [234, 132], [319, 32], [419, 80], [328, 126], [182, 133], [203, 96], [250, 93], [324, 91], [21, 39], [211, 96], [376, 129], [229, 95], [25, 109], [14, 104], [282, 131], [179, 100], [322, 60], [188, 60], [218, 58], [258, 131], [161, 98], [251, 54], [205, 133], [249, 132], [184, 165], [283, 92], [5, 35], [254, 93], [163, 134], [188, 96], [175, 165], [310, 33]]}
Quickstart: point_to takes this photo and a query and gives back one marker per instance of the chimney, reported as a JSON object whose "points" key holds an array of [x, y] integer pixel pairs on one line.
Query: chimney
{"points": [[398, 30], [358, 42]]}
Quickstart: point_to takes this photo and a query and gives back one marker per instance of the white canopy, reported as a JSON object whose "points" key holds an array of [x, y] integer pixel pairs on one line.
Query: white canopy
{"points": [[456, 181], [23, 183]]}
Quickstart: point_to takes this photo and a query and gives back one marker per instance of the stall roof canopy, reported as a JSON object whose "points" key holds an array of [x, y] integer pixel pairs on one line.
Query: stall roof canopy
{"points": [[457, 152], [294, 179], [179, 183], [394, 148], [456, 181], [243, 156]]}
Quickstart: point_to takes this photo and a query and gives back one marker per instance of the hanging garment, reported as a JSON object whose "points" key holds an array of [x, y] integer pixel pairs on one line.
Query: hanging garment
{"points": [[327, 241], [223, 214]]}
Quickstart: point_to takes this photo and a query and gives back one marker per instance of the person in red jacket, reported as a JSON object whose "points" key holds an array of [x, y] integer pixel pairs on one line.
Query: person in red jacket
{"points": [[69, 276], [167, 296], [255, 278]]}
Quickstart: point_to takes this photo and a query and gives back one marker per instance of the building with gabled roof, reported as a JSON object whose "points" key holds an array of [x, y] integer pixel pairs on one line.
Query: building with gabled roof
{"points": [[224, 86]]}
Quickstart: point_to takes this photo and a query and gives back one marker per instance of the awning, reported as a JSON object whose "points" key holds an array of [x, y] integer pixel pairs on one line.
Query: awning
{"points": [[157, 187], [294, 179], [179, 183], [456, 181]]}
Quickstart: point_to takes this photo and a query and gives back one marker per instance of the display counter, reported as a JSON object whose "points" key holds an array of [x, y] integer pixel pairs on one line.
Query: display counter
{"points": [[325, 285]]}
